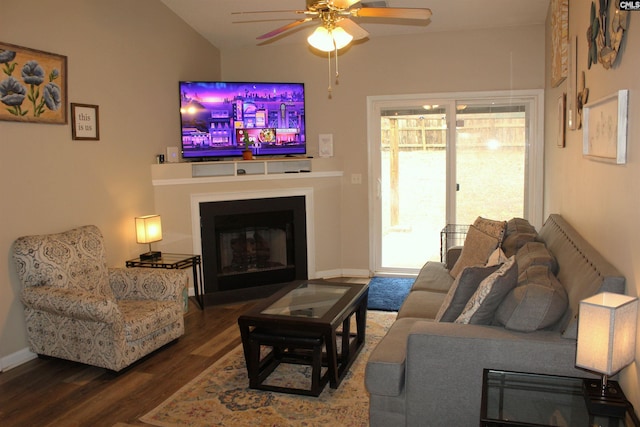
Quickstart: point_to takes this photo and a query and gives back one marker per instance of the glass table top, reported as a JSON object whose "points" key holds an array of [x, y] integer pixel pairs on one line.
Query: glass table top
{"points": [[312, 300], [515, 399]]}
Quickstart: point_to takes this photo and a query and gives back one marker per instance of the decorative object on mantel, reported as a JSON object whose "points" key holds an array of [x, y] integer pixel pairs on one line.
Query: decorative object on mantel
{"points": [[85, 124], [606, 32], [559, 40], [246, 154], [33, 85], [581, 100], [605, 128]]}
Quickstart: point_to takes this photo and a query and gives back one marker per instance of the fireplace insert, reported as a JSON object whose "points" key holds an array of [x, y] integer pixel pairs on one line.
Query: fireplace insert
{"points": [[251, 244]]}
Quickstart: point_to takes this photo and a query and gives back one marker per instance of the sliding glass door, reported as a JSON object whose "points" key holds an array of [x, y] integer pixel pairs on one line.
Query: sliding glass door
{"points": [[447, 160]]}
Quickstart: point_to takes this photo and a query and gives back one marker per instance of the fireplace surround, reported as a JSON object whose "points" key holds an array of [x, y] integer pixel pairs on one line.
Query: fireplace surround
{"points": [[253, 243]]}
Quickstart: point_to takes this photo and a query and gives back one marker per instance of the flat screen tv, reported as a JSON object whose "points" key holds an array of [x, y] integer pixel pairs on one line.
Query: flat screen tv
{"points": [[217, 118]]}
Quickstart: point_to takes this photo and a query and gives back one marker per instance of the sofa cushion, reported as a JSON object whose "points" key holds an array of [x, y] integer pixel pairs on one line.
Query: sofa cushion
{"points": [[537, 302], [434, 277], [535, 253], [461, 291], [482, 305], [422, 304], [518, 232], [491, 227], [476, 250]]}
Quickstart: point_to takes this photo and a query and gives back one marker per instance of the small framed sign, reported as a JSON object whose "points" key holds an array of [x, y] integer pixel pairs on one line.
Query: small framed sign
{"points": [[84, 122]]}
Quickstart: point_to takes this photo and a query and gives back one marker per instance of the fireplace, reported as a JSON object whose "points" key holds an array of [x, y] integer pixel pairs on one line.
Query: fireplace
{"points": [[251, 247]]}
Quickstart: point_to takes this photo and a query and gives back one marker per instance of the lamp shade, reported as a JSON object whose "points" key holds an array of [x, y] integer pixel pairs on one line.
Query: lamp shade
{"points": [[607, 332], [148, 229]]}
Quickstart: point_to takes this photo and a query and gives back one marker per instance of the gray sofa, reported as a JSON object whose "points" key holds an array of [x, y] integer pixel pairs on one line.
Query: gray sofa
{"points": [[429, 373]]}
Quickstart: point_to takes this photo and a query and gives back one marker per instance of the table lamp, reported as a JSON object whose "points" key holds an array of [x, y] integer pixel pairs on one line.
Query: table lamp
{"points": [[606, 343], [149, 230]]}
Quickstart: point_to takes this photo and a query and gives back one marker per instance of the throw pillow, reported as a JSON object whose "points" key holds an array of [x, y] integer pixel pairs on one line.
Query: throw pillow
{"points": [[461, 290], [497, 257], [491, 227], [482, 305], [518, 232], [476, 250], [537, 302], [535, 253]]}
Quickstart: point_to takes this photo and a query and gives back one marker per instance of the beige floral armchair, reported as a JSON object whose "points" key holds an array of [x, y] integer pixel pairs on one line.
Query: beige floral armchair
{"points": [[76, 308]]}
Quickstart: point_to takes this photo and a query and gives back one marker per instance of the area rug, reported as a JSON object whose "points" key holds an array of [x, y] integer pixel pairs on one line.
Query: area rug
{"points": [[388, 293], [220, 396]]}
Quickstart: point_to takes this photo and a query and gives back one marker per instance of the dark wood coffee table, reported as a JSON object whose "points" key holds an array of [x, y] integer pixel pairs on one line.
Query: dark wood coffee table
{"points": [[296, 324]]}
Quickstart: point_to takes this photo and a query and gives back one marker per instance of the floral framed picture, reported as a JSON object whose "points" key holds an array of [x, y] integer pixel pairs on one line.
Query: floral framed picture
{"points": [[84, 122], [33, 85]]}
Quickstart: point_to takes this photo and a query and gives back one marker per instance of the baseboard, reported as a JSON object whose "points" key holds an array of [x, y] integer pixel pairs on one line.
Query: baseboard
{"points": [[16, 359], [341, 273]]}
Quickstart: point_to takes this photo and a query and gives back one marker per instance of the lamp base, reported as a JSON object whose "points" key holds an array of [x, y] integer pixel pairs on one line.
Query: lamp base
{"points": [[609, 403], [150, 256]]}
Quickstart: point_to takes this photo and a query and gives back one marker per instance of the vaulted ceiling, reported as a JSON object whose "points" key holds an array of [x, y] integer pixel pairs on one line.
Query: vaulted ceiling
{"points": [[216, 20]]}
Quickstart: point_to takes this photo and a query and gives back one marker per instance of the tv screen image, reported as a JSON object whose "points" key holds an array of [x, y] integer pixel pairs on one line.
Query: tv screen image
{"points": [[217, 118]]}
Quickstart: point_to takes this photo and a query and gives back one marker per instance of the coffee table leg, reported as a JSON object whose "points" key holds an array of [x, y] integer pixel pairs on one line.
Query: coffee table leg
{"points": [[346, 339], [332, 358], [361, 321]]}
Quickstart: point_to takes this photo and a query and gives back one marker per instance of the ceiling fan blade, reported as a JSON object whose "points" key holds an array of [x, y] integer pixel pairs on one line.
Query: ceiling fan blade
{"points": [[344, 4], [392, 12], [352, 28], [251, 21], [264, 11], [283, 28]]}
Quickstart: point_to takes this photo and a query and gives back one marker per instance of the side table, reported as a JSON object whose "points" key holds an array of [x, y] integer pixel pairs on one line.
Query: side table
{"points": [[522, 399], [177, 261]]}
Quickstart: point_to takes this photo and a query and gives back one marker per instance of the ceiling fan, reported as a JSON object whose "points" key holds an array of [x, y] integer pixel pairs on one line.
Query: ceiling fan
{"points": [[337, 29], [336, 14]]}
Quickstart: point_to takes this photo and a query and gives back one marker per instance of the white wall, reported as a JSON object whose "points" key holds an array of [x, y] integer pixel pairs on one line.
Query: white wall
{"points": [[599, 199], [126, 57]]}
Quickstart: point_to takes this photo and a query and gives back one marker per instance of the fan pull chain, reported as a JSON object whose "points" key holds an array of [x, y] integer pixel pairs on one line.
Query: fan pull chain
{"points": [[329, 58], [337, 73]]}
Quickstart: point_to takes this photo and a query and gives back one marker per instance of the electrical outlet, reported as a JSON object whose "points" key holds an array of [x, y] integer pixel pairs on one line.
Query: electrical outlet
{"points": [[356, 178]]}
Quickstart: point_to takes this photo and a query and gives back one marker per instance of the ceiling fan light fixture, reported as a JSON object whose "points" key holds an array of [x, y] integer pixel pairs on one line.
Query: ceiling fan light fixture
{"points": [[341, 37], [321, 39], [329, 40]]}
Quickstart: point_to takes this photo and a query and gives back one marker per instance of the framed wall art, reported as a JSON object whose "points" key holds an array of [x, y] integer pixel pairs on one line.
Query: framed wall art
{"points": [[572, 96], [559, 40], [562, 100], [33, 85], [85, 124], [605, 128]]}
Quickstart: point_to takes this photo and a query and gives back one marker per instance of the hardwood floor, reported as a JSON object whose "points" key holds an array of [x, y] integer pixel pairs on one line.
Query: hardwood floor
{"points": [[55, 392]]}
